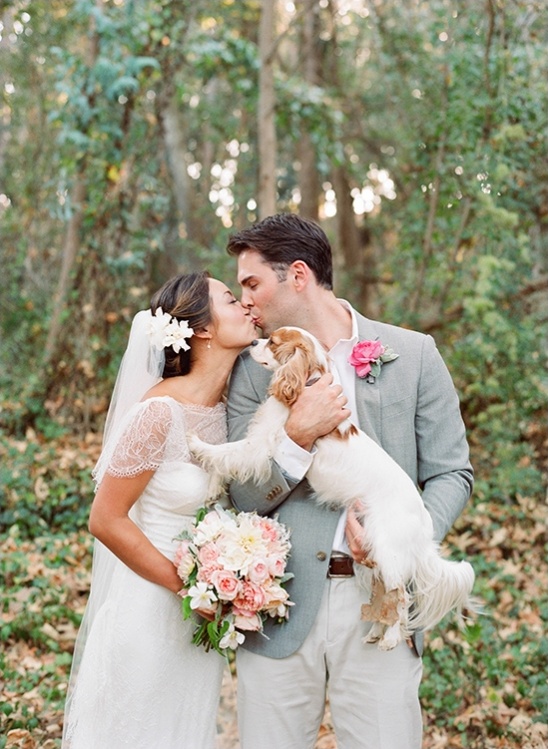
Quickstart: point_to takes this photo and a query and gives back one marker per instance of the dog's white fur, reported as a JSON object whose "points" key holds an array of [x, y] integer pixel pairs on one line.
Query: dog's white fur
{"points": [[349, 466]]}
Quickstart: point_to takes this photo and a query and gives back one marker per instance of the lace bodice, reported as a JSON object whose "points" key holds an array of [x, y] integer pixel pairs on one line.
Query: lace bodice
{"points": [[154, 437], [154, 433]]}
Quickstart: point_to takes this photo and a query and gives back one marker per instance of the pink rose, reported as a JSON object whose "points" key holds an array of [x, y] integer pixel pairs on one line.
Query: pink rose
{"points": [[251, 597], [275, 595], [268, 530], [226, 584], [208, 554], [276, 565], [363, 354], [247, 621], [206, 573], [184, 560], [258, 571], [277, 601]]}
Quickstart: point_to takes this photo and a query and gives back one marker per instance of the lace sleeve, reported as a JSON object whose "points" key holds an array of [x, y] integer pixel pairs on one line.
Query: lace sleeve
{"points": [[140, 444]]}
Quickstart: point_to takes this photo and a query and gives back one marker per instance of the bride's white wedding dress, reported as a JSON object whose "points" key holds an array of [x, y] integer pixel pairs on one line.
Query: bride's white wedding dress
{"points": [[138, 681]]}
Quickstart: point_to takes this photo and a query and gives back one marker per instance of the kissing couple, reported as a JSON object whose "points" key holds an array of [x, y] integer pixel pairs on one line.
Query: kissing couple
{"points": [[137, 680]]}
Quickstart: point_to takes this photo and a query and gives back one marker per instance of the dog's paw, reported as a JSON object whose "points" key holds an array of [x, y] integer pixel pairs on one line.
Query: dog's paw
{"points": [[388, 643], [198, 448], [391, 638], [375, 633], [215, 487], [194, 443]]}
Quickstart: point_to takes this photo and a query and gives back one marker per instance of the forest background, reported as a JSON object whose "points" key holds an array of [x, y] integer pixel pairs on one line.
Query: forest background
{"points": [[136, 135]]}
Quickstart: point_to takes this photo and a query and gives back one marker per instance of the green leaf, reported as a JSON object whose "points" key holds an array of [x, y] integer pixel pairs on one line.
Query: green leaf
{"points": [[126, 84], [200, 514], [375, 369], [185, 607]]}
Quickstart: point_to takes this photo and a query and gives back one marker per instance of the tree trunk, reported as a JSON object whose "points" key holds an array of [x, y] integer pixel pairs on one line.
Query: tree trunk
{"points": [[5, 130], [354, 243], [357, 257], [266, 111], [175, 144], [309, 179], [71, 243]]}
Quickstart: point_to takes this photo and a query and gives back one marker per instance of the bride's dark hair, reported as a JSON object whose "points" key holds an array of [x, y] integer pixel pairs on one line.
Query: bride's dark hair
{"points": [[185, 297]]}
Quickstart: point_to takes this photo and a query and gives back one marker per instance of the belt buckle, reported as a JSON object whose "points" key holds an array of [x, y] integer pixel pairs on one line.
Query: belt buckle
{"points": [[342, 575]]}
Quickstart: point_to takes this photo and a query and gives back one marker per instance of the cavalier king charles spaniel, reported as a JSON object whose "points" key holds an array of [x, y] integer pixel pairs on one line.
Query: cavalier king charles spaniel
{"points": [[414, 587]]}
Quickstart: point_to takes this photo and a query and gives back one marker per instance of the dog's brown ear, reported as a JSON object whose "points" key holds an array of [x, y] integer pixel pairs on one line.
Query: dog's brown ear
{"points": [[290, 379]]}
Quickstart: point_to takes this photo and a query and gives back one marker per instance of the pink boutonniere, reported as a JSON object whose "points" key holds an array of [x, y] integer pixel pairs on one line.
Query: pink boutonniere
{"points": [[368, 357]]}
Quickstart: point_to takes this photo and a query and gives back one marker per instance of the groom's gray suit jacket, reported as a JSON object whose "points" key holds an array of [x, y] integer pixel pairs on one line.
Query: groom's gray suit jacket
{"points": [[412, 411]]}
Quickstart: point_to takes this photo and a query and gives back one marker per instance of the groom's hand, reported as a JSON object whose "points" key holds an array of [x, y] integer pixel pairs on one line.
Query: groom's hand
{"points": [[317, 411], [355, 535]]}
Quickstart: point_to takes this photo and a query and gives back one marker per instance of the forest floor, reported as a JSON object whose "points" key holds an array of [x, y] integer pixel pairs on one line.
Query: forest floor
{"points": [[484, 686]]}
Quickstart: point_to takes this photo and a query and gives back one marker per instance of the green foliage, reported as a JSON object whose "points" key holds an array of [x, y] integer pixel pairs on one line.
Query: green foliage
{"points": [[44, 486], [502, 387], [446, 100], [41, 610], [487, 673], [481, 685], [464, 241]]}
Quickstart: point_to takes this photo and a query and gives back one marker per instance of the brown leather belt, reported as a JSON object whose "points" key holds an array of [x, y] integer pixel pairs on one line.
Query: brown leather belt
{"points": [[340, 566]]}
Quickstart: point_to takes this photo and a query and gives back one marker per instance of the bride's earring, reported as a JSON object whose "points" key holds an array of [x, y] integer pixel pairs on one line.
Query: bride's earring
{"points": [[209, 342]]}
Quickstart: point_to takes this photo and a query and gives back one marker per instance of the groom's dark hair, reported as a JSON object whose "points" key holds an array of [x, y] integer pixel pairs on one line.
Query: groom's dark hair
{"points": [[284, 238]]}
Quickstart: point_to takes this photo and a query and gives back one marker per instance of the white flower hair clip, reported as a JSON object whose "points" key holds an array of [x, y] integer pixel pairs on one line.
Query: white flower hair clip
{"points": [[165, 330]]}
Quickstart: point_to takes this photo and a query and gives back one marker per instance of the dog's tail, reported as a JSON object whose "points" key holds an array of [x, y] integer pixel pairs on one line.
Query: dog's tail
{"points": [[440, 586]]}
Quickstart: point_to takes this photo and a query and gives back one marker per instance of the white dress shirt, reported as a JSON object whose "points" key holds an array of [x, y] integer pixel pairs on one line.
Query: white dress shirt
{"points": [[295, 460]]}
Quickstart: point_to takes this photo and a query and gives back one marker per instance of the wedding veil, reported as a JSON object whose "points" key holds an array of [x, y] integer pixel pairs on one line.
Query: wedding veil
{"points": [[141, 368]]}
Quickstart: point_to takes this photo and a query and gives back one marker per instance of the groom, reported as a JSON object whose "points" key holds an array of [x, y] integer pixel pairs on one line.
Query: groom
{"points": [[412, 410]]}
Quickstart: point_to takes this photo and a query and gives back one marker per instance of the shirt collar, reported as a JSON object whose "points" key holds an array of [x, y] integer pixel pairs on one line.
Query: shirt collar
{"points": [[346, 342]]}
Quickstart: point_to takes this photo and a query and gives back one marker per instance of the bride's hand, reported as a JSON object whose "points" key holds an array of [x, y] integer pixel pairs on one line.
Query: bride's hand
{"points": [[206, 614]]}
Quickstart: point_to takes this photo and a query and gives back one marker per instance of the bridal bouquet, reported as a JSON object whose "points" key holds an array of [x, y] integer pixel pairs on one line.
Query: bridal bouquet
{"points": [[233, 571]]}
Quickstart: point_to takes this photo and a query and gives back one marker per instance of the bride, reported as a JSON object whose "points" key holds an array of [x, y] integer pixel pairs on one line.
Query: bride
{"points": [[137, 680]]}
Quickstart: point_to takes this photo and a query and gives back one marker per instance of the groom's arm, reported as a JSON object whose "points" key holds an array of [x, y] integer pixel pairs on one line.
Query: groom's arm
{"points": [[445, 474], [317, 411]]}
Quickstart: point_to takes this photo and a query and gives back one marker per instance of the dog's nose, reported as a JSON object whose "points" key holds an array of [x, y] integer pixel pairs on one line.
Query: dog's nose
{"points": [[255, 342]]}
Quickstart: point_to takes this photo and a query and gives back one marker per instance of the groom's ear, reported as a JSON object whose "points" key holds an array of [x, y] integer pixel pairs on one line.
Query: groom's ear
{"points": [[299, 274]]}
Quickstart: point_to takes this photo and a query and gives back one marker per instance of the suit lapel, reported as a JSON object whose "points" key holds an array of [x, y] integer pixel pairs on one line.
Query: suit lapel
{"points": [[368, 394]]}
